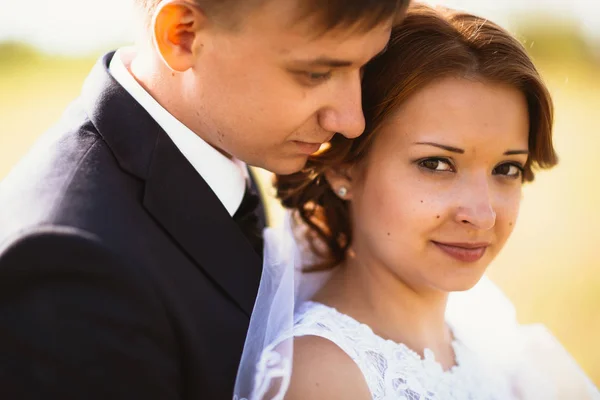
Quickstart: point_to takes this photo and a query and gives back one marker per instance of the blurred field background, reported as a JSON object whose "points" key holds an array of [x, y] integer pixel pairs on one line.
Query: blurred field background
{"points": [[551, 266]]}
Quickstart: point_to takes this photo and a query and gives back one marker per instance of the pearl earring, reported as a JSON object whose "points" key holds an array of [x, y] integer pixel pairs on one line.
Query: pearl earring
{"points": [[342, 192]]}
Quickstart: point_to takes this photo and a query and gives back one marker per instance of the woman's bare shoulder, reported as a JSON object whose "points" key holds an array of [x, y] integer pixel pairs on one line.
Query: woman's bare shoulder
{"points": [[322, 370]]}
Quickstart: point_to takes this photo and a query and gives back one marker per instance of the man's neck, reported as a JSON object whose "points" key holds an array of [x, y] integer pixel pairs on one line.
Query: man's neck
{"points": [[161, 83]]}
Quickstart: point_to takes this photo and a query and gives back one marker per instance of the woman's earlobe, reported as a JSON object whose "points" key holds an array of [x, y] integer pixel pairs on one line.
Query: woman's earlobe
{"points": [[342, 192], [340, 182]]}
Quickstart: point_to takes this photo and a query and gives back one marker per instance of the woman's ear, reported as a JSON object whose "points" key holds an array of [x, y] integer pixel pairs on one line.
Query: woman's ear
{"points": [[176, 28], [340, 180]]}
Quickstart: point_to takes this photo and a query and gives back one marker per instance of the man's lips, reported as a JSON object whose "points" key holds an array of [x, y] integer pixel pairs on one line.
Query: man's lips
{"points": [[465, 252], [308, 148]]}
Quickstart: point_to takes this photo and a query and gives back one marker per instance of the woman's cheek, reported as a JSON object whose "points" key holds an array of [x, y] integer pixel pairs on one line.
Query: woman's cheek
{"points": [[507, 212], [434, 206]]}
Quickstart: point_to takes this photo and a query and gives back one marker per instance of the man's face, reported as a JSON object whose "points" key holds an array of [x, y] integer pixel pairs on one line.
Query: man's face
{"points": [[271, 93]]}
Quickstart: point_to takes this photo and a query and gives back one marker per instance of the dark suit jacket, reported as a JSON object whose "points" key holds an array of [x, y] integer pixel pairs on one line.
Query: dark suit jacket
{"points": [[122, 276]]}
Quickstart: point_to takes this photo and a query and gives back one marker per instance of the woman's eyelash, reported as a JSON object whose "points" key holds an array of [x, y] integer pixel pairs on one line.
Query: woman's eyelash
{"points": [[517, 165], [442, 164], [433, 164]]}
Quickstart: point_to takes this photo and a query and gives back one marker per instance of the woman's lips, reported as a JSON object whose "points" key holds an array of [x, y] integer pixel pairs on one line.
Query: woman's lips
{"points": [[465, 252]]}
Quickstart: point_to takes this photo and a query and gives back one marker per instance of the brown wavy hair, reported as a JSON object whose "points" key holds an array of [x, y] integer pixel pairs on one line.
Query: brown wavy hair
{"points": [[430, 44]]}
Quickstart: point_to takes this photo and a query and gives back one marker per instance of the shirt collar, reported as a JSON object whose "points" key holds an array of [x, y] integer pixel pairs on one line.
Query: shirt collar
{"points": [[226, 177]]}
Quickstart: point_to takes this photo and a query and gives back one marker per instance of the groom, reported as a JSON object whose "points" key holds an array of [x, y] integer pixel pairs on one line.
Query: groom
{"points": [[130, 235]]}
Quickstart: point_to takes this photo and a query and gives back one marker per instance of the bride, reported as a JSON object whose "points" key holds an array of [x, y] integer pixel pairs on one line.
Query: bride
{"points": [[356, 305]]}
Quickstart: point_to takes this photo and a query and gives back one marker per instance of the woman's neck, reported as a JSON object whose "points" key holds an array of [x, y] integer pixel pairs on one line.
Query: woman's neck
{"points": [[394, 309]]}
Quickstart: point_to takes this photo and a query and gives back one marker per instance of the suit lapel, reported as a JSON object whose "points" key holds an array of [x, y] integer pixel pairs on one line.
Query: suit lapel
{"points": [[175, 194], [186, 207]]}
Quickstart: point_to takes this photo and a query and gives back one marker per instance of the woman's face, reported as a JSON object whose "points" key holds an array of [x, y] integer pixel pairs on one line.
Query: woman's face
{"points": [[438, 194]]}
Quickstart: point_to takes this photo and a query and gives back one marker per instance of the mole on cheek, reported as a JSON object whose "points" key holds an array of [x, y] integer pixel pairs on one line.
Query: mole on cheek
{"points": [[438, 217]]}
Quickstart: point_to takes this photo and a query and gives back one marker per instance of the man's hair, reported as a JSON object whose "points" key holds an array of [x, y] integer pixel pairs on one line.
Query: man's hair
{"points": [[329, 14]]}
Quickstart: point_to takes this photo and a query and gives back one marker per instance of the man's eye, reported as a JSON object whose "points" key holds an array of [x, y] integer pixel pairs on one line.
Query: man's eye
{"points": [[314, 78], [436, 164], [318, 75], [510, 170]]}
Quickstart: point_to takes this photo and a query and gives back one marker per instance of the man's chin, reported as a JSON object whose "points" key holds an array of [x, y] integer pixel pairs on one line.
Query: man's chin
{"points": [[286, 166]]}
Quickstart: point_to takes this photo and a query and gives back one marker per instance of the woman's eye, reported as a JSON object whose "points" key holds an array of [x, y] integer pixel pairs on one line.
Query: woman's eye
{"points": [[436, 164], [509, 170]]}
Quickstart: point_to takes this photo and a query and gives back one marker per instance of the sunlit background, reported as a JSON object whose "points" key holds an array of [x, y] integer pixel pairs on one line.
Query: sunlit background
{"points": [[551, 267]]}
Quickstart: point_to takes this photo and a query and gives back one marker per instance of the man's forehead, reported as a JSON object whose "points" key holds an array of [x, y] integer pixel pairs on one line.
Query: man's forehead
{"points": [[335, 48], [309, 19]]}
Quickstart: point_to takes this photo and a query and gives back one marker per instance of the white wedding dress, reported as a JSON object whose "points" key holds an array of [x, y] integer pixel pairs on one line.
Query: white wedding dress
{"points": [[496, 358], [393, 371]]}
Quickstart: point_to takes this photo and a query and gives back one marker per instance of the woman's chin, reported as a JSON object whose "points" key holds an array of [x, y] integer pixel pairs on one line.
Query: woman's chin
{"points": [[460, 283]]}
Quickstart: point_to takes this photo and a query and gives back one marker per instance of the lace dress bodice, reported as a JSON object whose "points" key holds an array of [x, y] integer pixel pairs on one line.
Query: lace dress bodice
{"points": [[393, 371]]}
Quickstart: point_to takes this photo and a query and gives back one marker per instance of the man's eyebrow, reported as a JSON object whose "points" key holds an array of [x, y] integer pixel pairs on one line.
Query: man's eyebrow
{"points": [[333, 62], [326, 62]]}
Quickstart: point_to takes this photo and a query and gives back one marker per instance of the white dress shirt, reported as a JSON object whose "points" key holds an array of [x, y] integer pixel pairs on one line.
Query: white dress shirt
{"points": [[226, 177]]}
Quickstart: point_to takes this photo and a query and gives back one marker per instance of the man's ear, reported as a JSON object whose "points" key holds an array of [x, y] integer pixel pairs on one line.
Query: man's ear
{"points": [[176, 28], [340, 180]]}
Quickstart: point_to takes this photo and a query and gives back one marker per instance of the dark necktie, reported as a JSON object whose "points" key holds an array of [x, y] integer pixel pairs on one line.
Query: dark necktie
{"points": [[250, 219]]}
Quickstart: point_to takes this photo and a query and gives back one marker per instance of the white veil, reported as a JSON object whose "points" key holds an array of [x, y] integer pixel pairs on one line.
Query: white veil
{"points": [[483, 318], [264, 371]]}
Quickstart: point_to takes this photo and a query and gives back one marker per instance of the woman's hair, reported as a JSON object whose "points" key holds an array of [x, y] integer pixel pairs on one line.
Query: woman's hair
{"points": [[429, 45]]}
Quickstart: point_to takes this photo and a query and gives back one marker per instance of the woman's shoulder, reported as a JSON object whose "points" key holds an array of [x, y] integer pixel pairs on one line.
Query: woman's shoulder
{"points": [[329, 358], [322, 370]]}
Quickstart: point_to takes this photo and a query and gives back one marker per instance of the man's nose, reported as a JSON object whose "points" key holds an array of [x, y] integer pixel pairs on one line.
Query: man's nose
{"points": [[344, 113]]}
